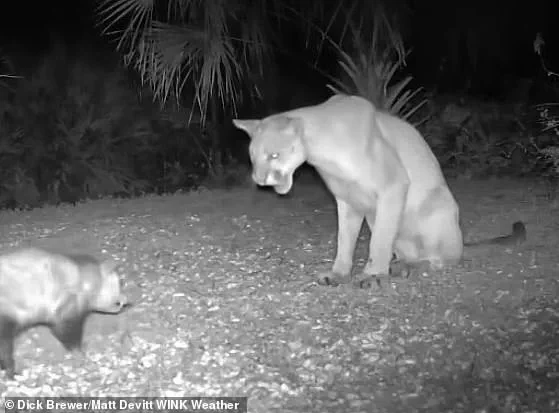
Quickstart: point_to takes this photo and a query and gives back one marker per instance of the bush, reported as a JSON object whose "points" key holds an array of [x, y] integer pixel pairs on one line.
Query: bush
{"points": [[71, 129]]}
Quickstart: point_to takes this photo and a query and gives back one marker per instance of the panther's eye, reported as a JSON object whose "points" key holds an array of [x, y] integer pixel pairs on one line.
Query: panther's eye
{"points": [[274, 155]]}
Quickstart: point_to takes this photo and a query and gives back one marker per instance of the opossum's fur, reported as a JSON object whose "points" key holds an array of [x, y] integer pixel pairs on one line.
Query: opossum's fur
{"points": [[38, 287]]}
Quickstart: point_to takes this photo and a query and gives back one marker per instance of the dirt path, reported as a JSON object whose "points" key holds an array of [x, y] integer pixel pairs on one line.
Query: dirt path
{"points": [[227, 305]]}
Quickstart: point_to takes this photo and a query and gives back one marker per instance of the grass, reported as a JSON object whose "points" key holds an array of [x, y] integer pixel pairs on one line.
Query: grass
{"points": [[226, 304]]}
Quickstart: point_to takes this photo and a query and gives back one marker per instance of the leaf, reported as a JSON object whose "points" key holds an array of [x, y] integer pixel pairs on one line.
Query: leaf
{"points": [[191, 48]]}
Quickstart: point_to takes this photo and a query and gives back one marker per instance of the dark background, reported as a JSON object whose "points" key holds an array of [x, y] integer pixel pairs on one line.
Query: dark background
{"points": [[436, 31], [72, 128]]}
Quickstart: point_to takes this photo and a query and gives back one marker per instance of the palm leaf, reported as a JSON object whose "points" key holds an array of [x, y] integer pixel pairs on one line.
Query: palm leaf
{"points": [[190, 46]]}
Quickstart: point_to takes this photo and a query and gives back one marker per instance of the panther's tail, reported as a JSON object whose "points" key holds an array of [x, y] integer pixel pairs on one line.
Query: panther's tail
{"points": [[517, 237]]}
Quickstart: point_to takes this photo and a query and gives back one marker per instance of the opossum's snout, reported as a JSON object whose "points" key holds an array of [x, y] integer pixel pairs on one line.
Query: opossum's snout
{"points": [[117, 305], [122, 303], [111, 298]]}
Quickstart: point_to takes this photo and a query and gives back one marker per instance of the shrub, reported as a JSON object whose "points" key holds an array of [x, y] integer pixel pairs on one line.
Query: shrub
{"points": [[71, 129]]}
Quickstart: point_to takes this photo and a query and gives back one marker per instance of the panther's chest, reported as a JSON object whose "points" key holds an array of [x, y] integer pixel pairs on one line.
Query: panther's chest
{"points": [[355, 192]]}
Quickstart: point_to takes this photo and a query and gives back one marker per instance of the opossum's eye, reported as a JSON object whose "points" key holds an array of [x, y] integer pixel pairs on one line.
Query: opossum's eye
{"points": [[274, 155]]}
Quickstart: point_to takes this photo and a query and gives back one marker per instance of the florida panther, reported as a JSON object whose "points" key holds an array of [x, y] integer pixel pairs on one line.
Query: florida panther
{"points": [[379, 168]]}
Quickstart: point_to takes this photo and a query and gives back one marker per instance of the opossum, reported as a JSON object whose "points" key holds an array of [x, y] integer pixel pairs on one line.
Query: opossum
{"points": [[60, 291]]}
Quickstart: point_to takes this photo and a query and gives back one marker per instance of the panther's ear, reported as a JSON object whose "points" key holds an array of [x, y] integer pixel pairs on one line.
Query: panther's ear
{"points": [[248, 125]]}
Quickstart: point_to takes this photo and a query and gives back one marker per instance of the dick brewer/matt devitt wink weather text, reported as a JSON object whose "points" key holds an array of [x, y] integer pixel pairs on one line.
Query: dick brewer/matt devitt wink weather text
{"points": [[167, 404]]}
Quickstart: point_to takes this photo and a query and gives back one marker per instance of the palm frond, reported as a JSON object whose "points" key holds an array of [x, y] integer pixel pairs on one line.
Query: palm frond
{"points": [[200, 46], [371, 75], [136, 15]]}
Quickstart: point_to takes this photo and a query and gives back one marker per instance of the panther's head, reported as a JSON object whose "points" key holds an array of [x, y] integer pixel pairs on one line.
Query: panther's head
{"points": [[276, 149]]}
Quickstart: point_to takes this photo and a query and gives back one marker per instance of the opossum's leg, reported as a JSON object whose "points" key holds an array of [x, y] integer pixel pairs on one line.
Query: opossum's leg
{"points": [[8, 330], [69, 331]]}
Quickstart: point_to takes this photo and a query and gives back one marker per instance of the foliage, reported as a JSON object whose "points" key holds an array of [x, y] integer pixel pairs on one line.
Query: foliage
{"points": [[549, 117], [375, 56], [482, 139], [547, 150], [549, 122], [195, 52], [466, 145], [473, 138], [371, 75], [70, 130], [203, 53], [207, 44], [371, 78]]}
